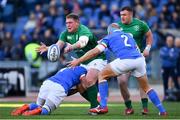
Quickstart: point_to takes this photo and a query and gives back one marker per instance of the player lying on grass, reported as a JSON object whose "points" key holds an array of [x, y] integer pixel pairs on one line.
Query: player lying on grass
{"points": [[128, 59], [53, 91]]}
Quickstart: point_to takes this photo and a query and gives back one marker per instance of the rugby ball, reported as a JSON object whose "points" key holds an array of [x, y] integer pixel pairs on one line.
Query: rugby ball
{"points": [[53, 53]]}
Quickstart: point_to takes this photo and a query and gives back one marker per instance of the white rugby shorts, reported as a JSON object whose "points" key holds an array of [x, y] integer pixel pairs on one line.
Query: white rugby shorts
{"points": [[137, 67], [52, 91]]}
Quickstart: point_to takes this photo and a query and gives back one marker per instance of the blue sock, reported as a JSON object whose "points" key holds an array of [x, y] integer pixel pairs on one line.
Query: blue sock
{"points": [[155, 100], [103, 90], [44, 111], [33, 106]]}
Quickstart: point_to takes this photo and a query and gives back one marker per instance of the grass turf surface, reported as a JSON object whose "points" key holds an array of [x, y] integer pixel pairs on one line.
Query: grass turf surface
{"points": [[79, 111]]}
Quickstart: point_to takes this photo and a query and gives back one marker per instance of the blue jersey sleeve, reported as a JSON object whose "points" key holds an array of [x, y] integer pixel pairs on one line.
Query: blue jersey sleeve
{"points": [[81, 70], [105, 41]]}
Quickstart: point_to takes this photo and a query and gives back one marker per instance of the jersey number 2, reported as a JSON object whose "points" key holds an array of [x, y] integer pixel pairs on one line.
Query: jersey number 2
{"points": [[126, 40]]}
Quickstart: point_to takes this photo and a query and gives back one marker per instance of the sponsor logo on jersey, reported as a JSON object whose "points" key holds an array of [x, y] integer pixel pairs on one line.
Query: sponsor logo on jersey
{"points": [[69, 37]]}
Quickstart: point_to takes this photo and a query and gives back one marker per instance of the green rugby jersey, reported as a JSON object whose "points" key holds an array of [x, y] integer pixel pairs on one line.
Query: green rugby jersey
{"points": [[138, 29], [72, 38]]}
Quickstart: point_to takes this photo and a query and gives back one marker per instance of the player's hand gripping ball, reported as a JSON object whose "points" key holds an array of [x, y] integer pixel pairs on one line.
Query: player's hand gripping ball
{"points": [[53, 53]]}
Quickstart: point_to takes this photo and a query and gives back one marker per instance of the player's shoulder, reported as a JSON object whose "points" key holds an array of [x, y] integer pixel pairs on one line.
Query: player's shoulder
{"points": [[84, 28], [64, 32], [80, 68], [119, 23], [139, 21]]}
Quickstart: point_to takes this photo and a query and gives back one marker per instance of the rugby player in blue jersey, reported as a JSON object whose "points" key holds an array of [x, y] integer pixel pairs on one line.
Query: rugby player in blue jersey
{"points": [[53, 91], [128, 59]]}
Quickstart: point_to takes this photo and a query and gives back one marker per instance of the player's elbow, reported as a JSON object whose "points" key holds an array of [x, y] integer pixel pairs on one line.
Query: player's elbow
{"points": [[83, 41]]}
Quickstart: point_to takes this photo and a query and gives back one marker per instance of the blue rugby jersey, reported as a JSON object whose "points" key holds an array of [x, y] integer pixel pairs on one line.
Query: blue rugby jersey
{"points": [[122, 45], [68, 77]]}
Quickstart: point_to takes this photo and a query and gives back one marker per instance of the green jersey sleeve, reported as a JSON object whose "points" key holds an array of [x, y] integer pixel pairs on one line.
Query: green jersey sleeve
{"points": [[63, 37], [85, 32], [145, 27]]}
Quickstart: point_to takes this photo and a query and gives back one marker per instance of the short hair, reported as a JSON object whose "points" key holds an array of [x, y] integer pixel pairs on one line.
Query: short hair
{"points": [[128, 8], [112, 27], [73, 16]]}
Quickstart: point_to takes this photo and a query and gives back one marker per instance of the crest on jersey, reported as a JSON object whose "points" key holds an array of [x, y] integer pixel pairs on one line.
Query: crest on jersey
{"points": [[136, 28]]}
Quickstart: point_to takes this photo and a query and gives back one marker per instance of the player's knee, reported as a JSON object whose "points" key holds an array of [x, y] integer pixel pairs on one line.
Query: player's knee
{"points": [[122, 83], [91, 82], [83, 87], [102, 76], [122, 79], [146, 89]]}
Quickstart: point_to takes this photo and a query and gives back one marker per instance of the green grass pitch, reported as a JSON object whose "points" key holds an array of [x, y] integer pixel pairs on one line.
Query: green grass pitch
{"points": [[76, 110]]}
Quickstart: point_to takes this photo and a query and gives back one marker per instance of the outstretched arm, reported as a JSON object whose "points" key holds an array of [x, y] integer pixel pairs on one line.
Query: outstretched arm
{"points": [[43, 48], [90, 54]]}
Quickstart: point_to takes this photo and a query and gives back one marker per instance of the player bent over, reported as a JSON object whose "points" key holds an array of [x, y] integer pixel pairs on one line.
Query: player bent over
{"points": [[79, 39], [52, 92], [129, 59]]}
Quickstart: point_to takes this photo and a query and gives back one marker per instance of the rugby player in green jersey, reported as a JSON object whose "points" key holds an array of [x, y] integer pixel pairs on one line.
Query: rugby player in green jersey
{"points": [[139, 30], [80, 39]]}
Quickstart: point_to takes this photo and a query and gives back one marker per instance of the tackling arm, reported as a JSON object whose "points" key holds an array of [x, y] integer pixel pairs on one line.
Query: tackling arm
{"points": [[90, 54]]}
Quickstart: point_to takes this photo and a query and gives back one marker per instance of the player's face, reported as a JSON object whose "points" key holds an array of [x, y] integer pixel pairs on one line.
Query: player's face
{"points": [[72, 25], [126, 16]]}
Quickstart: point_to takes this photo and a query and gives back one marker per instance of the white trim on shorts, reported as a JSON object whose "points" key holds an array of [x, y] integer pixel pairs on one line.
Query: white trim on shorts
{"points": [[136, 66]]}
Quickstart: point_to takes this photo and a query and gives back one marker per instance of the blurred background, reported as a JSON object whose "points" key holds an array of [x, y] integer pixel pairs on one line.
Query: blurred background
{"points": [[26, 23]]}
